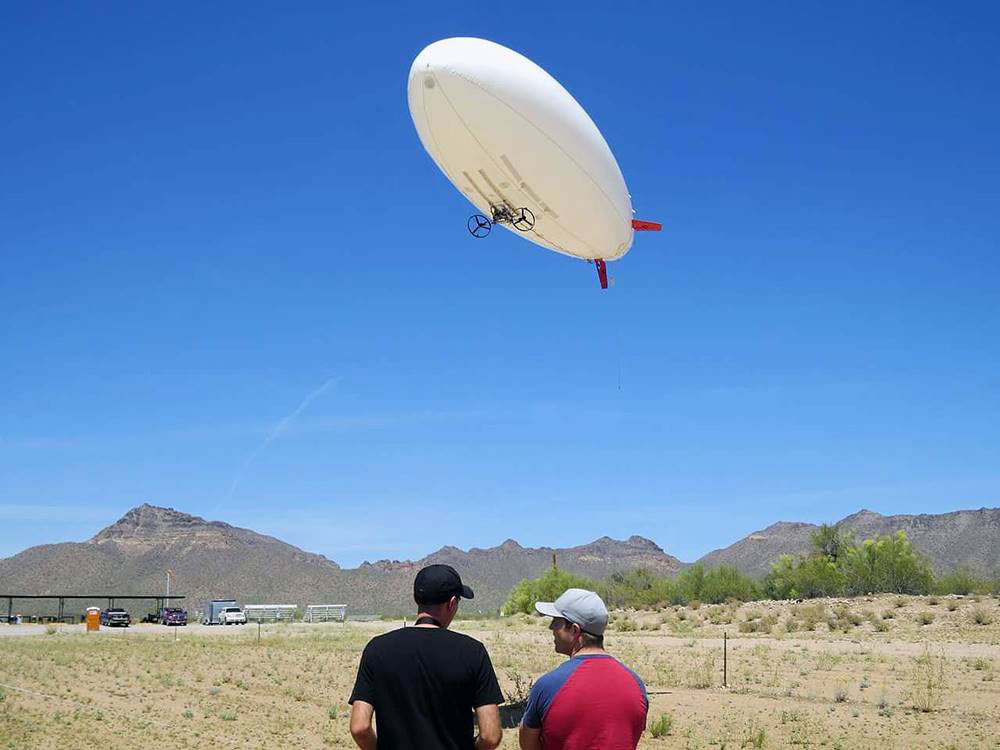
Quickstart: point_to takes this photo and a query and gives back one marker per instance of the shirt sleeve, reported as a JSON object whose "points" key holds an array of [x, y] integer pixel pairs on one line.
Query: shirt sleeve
{"points": [[364, 685], [543, 692], [487, 688], [533, 711]]}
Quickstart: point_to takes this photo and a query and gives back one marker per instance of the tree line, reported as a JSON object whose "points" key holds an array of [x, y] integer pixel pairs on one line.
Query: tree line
{"points": [[834, 565]]}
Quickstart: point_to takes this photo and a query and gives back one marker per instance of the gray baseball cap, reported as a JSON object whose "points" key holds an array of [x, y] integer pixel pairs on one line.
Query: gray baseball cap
{"points": [[579, 606]]}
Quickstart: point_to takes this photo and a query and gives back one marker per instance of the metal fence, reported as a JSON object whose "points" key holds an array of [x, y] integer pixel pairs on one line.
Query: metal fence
{"points": [[326, 612], [270, 612]]}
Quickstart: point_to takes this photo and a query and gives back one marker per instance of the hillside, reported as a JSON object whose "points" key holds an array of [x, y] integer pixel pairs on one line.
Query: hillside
{"points": [[963, 538], [211, 559]]}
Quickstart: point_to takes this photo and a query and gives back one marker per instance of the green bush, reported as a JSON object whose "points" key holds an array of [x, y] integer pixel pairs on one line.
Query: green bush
{"points": [[836, 566], [725, 583], [887, 564], [961, 581], [661, 727], [547, 588], [642, 588], [639, 589], [805, 578]]}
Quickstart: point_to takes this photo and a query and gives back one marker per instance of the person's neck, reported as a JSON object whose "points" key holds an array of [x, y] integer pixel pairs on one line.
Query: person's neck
{"points": [[438, 623], [588, 651]]}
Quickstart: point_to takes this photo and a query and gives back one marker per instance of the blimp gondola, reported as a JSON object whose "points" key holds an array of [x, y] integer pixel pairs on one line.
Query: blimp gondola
{"points": [[522, 150]]}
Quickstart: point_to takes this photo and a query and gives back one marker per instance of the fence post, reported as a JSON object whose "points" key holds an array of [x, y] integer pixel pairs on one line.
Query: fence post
{"points": [[725, 659]]}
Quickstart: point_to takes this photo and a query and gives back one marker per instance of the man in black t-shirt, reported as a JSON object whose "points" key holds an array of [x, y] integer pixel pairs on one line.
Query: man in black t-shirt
{"points": [[423, 683]]}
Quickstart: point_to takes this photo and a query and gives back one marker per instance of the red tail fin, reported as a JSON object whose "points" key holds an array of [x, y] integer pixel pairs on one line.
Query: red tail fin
{"points": [[646, 226]]}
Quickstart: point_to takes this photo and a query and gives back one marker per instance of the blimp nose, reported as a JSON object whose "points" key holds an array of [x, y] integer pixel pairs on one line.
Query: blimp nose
{"points": [[426, 64], [443, 57]]}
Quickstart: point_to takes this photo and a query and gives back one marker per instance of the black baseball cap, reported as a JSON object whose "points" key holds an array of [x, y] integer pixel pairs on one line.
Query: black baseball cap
{"points": [[436, 584]]}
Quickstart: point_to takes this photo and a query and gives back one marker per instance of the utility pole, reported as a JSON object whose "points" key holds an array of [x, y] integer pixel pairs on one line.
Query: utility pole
{"points": [[169, 573]]}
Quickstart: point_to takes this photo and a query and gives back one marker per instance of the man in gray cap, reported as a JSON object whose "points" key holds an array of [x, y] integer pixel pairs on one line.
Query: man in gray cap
{"points": [[604, 704]]}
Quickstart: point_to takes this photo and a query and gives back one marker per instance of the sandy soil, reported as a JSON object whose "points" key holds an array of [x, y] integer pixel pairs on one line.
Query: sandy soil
{"points": [[884, 672]]}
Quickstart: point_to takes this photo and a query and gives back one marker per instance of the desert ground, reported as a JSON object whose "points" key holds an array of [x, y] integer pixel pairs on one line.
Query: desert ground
{"points": [[872, 672]]}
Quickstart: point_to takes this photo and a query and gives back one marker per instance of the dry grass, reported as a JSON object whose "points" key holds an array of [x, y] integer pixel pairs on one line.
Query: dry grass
{"points": [[831, 673]]}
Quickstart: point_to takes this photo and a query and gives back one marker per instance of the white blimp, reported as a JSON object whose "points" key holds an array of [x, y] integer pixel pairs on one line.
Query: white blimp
{"points": [[521, 148]]}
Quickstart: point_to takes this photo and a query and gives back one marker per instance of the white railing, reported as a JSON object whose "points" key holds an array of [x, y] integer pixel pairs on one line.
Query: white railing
{"points": [[326, 612], [270, 612]]}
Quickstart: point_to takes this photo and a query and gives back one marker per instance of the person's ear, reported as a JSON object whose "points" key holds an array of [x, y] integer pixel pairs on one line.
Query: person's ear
{"points": [[453, 604]]}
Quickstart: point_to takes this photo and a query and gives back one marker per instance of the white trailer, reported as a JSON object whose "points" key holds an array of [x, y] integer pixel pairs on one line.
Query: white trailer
{"points": [[212, 609]]}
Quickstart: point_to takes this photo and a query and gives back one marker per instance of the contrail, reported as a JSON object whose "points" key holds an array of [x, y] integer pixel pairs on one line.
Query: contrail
{"points": [[274, 433]]}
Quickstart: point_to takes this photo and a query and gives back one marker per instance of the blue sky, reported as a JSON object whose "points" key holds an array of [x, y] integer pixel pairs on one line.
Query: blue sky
{"points": [[233, 282]]}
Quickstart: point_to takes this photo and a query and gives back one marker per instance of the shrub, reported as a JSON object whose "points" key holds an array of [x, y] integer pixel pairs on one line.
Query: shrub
{"points": [[721, 615], [749, 626], [843, 619], [727, 583], [809, 577], [756, 738], [925, 618], [887, 563], [962, 581], [642, 588], [547, 587], [840, 695], [661, 727], [928, 682], [981, 617], [812, 615], [952, 605]]}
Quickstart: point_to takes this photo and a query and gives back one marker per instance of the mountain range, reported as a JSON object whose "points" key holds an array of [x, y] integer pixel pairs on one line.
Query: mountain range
{"points": [[961, 539], [212, 559]]}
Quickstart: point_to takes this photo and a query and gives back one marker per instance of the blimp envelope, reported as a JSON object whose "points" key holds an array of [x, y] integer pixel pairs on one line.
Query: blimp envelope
{"points": [[506, 133]]}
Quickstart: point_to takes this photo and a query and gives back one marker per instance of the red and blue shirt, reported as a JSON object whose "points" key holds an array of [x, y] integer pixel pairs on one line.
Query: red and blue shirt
{"points": [[590, 702]]}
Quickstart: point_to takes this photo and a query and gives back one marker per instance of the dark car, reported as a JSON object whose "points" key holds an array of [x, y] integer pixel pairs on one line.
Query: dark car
{"points": [[115, 617], [173, 616]]}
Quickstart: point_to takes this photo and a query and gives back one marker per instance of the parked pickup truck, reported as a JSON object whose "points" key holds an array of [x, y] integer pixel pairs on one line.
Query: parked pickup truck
{"points": [[173, 616], [115, 617], [232, 616]]}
